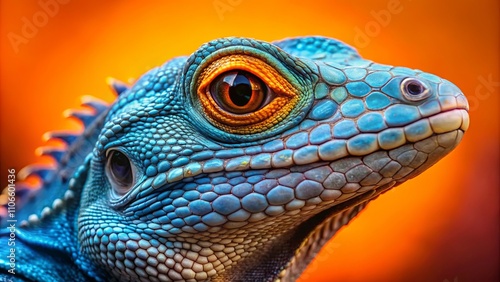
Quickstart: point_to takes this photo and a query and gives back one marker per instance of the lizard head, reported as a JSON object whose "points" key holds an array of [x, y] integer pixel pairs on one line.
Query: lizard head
{"points": [[246, 157]]}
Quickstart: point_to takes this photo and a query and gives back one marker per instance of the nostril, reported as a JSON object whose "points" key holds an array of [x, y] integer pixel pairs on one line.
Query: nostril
{"points": [[414, 89]]}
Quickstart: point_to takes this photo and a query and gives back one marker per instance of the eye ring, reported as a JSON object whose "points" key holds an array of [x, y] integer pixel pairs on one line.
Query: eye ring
{"points": [[120, 172], [414, 89]]}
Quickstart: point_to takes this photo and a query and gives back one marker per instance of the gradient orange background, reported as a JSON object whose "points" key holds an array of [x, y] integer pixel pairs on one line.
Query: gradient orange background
{"points": [[441, 226]]}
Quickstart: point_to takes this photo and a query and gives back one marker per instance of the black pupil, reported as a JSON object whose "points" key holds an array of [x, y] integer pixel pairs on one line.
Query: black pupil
{"points": [[120, 167], [241, 90], [415, 88]]}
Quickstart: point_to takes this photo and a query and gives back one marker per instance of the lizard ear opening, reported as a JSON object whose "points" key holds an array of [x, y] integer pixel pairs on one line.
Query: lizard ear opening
{"points": [[120, 172]]}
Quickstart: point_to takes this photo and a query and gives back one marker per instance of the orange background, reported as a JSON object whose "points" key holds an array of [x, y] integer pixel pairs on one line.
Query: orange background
{"points": [[441, 226]]}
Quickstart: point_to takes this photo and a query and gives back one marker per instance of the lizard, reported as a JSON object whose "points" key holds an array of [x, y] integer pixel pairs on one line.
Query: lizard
{"points": [[236, 163]]}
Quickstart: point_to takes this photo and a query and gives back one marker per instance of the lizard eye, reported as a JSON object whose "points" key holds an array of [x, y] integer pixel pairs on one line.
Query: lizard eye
{"points": [[238, 92], [414, 89], [244, 95], [120, 172]]}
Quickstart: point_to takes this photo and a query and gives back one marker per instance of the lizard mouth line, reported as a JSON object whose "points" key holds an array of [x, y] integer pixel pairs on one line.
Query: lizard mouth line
{"points": [[360, 145], [449, 120], [365, 143]]}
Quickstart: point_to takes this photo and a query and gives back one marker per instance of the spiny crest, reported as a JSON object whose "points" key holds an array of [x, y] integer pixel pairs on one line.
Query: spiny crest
{"points": [[33, 195], [117, 86]]}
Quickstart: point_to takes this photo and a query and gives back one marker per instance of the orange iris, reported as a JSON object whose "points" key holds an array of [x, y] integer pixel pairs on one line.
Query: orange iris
{"points": [[238, 92], [242, 94]]}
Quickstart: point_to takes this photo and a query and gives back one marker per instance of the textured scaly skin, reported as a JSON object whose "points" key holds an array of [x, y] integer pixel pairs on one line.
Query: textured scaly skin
{"points": [[217, 196]]}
